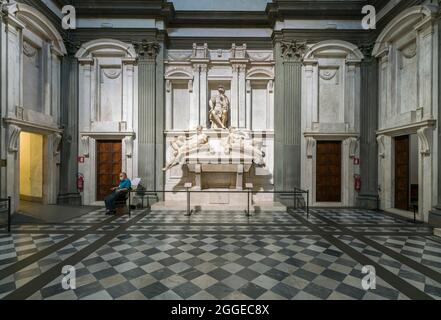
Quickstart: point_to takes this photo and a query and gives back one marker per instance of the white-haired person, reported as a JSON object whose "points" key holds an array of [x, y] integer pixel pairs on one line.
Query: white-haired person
{"points": [[118, 193]]}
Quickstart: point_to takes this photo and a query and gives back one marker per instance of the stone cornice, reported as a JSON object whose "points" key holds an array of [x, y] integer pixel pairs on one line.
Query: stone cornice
{"points": [[331, 9], [318, 35], [160, 9], [42, 128], [125, 35], [219, 19], [406, 129]]}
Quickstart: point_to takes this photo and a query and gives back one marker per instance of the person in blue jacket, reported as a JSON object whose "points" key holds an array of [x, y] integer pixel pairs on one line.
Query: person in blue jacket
{"points": [[117, 193]]}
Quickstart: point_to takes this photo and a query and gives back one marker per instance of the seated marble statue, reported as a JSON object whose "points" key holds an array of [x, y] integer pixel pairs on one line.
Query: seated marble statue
{"points": [[219, 109], [182, 146]]}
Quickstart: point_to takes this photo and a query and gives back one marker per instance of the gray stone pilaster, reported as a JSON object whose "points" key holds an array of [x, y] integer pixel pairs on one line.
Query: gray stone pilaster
{"points": [[368, 196], [288, 87], [150, 114], [69, 120], [435, 214]]}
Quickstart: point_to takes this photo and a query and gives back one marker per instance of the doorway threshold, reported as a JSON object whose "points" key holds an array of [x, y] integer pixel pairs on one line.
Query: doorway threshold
{"points": [[404, 214]]}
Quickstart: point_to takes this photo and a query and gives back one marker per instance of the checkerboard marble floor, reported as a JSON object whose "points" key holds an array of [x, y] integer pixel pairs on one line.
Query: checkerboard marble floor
{"points": [[223, 255]]}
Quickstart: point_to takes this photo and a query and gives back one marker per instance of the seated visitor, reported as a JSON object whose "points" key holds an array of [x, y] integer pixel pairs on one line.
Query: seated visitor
{"points": [[118, 193]]}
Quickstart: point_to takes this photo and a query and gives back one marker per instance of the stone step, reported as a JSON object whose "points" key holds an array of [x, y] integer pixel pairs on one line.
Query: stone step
{"points": [[181, 206], [437, 232]]}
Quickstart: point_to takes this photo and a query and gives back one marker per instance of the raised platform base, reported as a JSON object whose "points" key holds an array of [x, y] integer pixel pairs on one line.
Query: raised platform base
{"points": [[367, 201], [255, 207], [435, 217], [69, 199]]}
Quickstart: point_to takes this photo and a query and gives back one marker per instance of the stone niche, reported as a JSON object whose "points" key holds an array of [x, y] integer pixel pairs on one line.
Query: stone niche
{"points": [[330, 111], [192, 77]]}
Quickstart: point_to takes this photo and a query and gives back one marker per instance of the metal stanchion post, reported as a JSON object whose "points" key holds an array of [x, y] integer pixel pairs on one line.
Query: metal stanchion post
{"points": [[187, 187], [9, 214], [249, 187], [307, 205], [248, 203], [294, 206], [130, 210]]}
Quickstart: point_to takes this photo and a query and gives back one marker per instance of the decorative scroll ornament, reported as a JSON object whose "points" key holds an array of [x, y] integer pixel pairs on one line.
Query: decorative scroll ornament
{"points": [[112, 73], [410, 51], [256, 56], [328, 74], [353, 147], [310, 144], [85, 146], [271, 86], [56, 144], [14, 135], [129, 146], [423, 136], [293, 50], [238, 52], [147, 49], [179, 56], [200, 52], [29, 50], [381, 147]]}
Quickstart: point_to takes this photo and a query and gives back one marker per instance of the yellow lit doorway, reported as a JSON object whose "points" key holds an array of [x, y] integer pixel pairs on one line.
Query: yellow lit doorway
{"points": [[31, 167]]}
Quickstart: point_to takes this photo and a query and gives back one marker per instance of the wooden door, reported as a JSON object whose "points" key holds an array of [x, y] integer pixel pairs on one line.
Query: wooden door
{"points": [[402, 172], [328, 177], [109, 159]]}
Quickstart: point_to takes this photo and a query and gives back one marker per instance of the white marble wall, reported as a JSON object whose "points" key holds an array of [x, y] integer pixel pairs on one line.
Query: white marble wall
{"points": [[331, 111], [107, 106], [31, 52], [192, 77], [407, 51]]}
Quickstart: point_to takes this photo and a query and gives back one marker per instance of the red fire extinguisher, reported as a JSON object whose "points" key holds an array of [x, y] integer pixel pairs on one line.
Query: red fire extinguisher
{"points": [[80, 182], [357, 182]]}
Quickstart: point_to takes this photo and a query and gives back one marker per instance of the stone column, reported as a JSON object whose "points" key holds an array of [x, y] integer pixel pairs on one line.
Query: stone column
{"points": [[368, 195], [435, 214], [287, 110], [148, 114], [203, 94], [69, 120]]}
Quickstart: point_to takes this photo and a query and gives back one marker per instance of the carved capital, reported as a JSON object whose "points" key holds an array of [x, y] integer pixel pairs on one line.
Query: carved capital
{"points": [[367, 50], [147, 50], [293, 50]]}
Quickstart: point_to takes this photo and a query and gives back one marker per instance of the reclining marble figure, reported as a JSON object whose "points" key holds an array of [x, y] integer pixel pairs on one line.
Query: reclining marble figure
{"points": [[240, 141], [182, 146]]}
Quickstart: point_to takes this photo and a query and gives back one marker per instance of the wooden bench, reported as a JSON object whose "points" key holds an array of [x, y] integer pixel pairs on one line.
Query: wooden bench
{"points": [[121, 207]]}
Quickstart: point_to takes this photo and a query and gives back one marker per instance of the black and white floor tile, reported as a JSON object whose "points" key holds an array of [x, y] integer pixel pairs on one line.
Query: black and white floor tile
{"points": [[222, 255]]}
